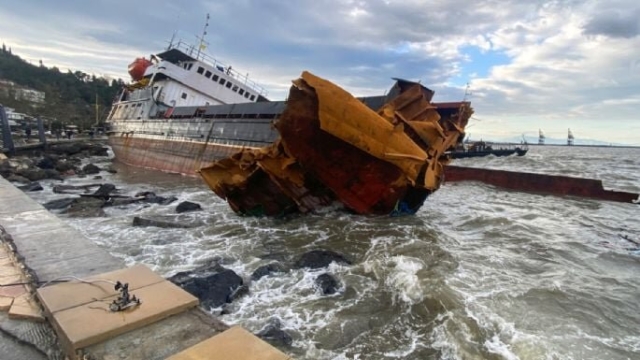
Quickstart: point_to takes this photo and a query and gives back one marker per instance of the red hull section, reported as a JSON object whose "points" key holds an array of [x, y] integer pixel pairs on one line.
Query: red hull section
{"points": [[539, 183]]}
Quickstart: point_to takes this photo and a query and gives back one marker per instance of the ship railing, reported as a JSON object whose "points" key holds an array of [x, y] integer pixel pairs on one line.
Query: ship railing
{"points": [[192, 50]]}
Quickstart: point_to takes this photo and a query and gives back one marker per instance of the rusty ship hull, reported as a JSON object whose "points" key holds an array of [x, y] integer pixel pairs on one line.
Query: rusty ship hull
{"points": [[374, 156]]}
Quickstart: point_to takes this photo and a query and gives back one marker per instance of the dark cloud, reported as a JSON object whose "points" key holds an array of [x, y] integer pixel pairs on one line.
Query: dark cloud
{"points": [[617, 23]]}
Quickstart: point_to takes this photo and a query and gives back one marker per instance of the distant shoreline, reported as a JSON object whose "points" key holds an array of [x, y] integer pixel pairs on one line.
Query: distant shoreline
{"points": [[598, 146]]}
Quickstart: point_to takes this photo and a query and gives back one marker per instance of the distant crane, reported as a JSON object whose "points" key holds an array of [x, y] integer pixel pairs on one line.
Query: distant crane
{"points": [[570, 138]]}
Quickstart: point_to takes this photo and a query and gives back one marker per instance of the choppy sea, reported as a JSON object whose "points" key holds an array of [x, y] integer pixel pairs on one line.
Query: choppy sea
{"points": [[478, 273]]}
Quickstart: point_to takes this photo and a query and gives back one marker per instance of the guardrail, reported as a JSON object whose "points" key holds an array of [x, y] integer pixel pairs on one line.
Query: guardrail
{"points": [[7, 142]]}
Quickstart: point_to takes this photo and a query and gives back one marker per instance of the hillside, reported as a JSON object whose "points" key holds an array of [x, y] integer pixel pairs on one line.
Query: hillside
{"points": [[70, 97]]}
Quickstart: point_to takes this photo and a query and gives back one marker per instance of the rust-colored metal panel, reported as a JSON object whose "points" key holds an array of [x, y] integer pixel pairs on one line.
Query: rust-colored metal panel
{"points": [[539, 183], [335, 148]]}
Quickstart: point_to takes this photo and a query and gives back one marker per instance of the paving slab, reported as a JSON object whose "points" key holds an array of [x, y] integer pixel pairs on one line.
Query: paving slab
{"points": [[235, 343], [5, 303], [61, 253], [12, 291], [71, 294], [25, 307], [14, 202], [28, 222], [92, 323], [159, 340]]}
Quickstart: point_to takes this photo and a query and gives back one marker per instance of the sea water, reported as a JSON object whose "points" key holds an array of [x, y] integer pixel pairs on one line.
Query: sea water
{"points": [[477, 273]]}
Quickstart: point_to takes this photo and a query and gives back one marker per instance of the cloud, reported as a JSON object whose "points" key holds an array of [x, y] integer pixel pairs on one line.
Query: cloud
{"points": [[537, 64], [618, 23]]}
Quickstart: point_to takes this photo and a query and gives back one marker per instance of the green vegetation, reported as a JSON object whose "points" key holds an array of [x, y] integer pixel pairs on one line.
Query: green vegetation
{"points": [[70, 98]]}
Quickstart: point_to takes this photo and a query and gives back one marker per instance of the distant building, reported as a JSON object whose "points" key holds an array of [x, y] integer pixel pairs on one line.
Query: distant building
{"points": [[9, 88]]}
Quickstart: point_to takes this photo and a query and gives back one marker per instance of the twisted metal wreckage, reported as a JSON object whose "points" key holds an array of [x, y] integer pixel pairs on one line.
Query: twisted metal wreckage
{"points": [[333, 147]]}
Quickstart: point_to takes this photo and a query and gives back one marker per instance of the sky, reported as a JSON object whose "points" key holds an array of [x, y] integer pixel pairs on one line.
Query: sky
{"points": [[524, 65]]}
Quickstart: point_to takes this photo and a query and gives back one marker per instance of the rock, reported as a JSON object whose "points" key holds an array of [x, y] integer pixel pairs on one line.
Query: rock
{"points": [[72, 189], [274, 335], [90, 169], [97, 177], [268, 269], [18, 179], [53, 174], [187, 206], [47, 162], [64, 166], [86, 207], [317, 259], [239, 292], [105, 190], [97, 150], [152, 198], [59, 204], [213, 290], [66, 149], [33, 186], [33, 174], [111, 170], [327, 283], [163, 223]]}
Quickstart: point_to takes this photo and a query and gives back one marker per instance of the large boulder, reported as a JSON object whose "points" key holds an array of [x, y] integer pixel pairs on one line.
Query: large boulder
{"points": [[90, 169], [274, 335], [327, 284], [59, 204], [104, 190], [213, 289], [187, 206], [65, 166], [33, 186], [18, 179], [47, 162], [86, 207], [266, 270], [53, 174], [317, 259], [165, 222], [66, 149], [33, 174], [152, 198]]}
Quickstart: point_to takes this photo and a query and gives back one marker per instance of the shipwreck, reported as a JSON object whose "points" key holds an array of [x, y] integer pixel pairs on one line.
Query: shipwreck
{"points": [[335, 147]]}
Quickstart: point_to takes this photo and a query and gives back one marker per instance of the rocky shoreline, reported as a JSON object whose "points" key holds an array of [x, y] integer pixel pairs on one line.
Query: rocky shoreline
{"points": [[215, 285]]}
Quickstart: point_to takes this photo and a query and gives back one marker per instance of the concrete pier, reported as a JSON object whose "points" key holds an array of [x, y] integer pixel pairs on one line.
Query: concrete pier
{"points": [[60, 319]]}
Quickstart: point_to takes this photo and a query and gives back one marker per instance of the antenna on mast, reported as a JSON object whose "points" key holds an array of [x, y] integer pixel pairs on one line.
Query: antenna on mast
{"points": [[173, 37], [202, 45], [467, 92]]}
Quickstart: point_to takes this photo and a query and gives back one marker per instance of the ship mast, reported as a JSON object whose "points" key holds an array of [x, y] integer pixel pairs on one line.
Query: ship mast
{"points": [[540, 137], [202, 44]]}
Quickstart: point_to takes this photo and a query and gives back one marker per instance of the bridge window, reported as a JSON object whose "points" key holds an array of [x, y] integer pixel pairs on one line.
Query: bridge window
{"points": [[184, 95], [222, 81], [235, 88], [253, 97], [207, 74], [229, 84], [200, 69], [241, 91], [247, 94], [215, 78]]}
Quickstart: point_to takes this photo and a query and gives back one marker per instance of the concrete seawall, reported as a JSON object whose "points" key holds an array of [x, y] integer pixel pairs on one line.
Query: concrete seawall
{"points": [[47, 250]]}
